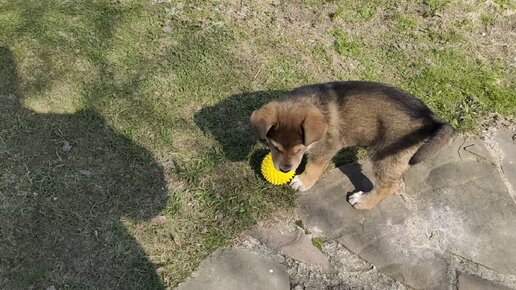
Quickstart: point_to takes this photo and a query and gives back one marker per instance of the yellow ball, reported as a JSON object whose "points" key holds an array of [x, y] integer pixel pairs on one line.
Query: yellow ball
{"points": [[272, 175]]}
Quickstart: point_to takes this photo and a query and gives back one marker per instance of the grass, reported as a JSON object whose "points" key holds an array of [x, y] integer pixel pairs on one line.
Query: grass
{"points": [[318, 242], [154, 100], [345, 46]]}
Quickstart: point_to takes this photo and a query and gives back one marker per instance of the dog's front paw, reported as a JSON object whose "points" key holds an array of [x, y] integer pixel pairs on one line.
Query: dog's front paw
{"points": [[297, 184], [361, 200], [301, 183]]}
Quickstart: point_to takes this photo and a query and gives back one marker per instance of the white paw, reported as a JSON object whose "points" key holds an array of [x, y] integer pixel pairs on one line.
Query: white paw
{"points": [[356, 197], [296, 184]]}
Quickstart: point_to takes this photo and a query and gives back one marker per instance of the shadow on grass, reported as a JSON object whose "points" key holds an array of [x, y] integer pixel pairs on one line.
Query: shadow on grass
{"points": [[228, 122], [67, 183]]}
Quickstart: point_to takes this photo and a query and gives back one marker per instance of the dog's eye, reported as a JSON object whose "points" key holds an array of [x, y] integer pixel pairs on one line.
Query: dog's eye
{"points": [[277, 149]]}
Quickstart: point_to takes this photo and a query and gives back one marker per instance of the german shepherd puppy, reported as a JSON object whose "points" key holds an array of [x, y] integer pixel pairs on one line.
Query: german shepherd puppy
{"points": [[396, 127]]}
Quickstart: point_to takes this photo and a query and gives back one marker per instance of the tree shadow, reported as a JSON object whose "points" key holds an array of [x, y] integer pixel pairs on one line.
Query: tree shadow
{"points": [[228, 122], [67, 184]]}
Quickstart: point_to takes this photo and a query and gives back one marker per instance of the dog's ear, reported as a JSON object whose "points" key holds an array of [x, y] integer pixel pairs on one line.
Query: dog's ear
{"points": [[264, 118], [314, 126]]}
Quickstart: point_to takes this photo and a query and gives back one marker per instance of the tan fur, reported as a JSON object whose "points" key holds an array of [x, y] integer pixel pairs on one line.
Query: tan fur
{"points": [[322, 119]]}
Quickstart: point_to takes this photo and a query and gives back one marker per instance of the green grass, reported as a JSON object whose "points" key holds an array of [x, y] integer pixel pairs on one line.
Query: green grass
{"points": [[462, 92], [344, 45], [355, 11], [435, 6], [318, 242], [505, 5], [154, 99]]}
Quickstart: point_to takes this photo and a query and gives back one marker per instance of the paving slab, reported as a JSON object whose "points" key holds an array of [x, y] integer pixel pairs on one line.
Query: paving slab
{"points": [[291, 241], [236, 269], [467, 206], [505, 138], [352, 272], [455, 202]]}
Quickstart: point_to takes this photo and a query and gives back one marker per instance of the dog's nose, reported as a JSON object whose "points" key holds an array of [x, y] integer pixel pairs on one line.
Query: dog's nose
{"points": [[285, 169]]}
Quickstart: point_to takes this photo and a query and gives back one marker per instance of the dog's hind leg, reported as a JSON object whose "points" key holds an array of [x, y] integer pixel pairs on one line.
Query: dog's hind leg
{"points": [[388, 172]]}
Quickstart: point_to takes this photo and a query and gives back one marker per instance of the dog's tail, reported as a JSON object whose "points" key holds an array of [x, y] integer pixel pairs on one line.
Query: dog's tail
{"points": [[441, 136]]}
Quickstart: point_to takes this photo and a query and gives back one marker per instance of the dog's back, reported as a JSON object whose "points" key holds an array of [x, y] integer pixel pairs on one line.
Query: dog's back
{"points": [[386, 119]]}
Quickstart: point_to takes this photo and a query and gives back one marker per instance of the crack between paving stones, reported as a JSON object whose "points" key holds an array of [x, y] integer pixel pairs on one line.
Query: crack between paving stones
{"points": [[506, 182], [373, 266], [494, 148], [464, 259]]}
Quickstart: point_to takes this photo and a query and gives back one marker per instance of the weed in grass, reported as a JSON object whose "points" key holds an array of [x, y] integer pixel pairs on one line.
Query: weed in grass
{"points": [[443, 37], [435, 6], [318, 242], [344, 46], [505, 4], [357, 11], [338, 13], [405, 23], [487, 19], [367, 10], [300, 224], [173, 206], [319, 52], [213, 239]]}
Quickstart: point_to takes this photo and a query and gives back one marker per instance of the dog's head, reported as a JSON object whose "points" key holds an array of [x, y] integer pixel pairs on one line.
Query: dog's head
{"points": [[288, 129]]}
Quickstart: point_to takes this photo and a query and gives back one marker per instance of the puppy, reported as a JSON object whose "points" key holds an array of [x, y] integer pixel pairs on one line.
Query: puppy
{"points": [[396, 127]]}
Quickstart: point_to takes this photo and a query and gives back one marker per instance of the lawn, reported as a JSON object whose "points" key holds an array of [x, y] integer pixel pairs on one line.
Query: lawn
{"points": [[125, 152]]}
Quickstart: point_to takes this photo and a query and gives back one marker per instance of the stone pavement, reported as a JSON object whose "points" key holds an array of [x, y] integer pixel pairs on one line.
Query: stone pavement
{"points": [[238, 269], [453, 226]]}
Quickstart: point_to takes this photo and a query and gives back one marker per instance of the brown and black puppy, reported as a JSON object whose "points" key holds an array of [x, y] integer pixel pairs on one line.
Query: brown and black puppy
{"points": [[397, 128]]}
